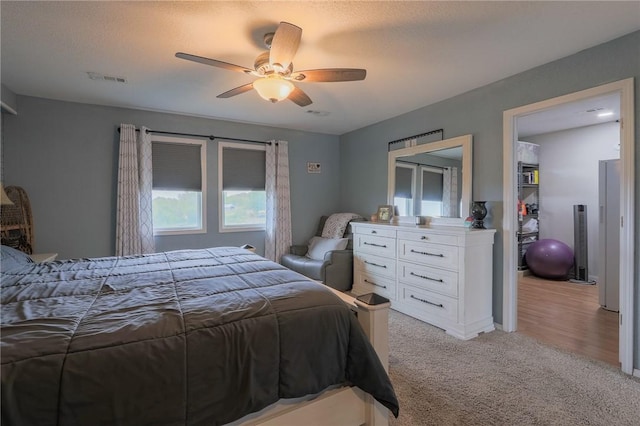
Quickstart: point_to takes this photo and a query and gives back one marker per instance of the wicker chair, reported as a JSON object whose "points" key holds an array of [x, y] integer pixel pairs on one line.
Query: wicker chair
{"points": [[16, 220]]}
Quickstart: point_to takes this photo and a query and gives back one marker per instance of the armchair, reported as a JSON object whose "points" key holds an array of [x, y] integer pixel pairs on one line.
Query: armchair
{"points": [[335, 270]]}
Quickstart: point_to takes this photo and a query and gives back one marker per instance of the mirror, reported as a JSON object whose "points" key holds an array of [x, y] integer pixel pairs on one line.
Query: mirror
{"points": [[432, 179]]}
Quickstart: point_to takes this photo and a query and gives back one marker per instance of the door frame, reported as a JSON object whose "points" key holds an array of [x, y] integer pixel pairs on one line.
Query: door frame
{"points": [[627, 187]]}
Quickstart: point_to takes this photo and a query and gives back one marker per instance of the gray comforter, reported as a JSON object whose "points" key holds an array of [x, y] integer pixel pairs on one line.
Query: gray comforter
{"points": [[198, 337]]}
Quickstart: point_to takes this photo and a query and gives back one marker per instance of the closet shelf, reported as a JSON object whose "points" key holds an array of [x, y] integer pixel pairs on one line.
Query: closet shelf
{"points": [[528, 192]]}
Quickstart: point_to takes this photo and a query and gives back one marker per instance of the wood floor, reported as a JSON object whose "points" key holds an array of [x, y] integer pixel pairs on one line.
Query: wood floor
{"points": [[569, 316]]}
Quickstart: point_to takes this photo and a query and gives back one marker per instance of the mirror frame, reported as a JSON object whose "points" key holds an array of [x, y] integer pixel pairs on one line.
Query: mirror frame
{"points": [[466, 142]]}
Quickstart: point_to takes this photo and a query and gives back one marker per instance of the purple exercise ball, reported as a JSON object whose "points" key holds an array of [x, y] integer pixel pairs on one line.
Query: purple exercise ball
{"points": [[550, 259]]}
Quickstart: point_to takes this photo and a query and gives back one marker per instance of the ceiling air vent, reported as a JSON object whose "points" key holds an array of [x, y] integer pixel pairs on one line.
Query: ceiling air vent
{"points": [[98, 76], [318, 113]]}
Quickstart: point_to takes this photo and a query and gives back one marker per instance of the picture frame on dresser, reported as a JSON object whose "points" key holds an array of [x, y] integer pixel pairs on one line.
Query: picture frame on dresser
{"points": [[385, 213]]}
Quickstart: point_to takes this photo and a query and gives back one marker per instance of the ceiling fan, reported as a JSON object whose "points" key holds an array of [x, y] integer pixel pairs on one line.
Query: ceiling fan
{"points": [[275, 69]]}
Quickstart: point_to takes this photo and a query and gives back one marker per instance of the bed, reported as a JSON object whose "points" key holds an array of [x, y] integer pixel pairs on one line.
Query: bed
{"points": [[189, 337]]}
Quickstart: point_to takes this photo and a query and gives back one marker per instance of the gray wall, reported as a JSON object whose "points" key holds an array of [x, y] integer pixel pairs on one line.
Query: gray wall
{"points": [[65, 156], [479, 112]]}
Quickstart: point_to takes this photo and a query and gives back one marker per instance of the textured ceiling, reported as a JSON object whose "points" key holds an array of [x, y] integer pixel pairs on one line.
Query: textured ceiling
{"points": [[416, 53]]}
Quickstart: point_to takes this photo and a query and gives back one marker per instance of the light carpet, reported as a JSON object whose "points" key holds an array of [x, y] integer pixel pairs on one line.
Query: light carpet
{"points": [[501, 378]]}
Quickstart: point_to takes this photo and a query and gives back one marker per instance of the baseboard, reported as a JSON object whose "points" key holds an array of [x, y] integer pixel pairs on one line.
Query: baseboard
{"points": [[497, 326], [636, 372], [524, 273]]}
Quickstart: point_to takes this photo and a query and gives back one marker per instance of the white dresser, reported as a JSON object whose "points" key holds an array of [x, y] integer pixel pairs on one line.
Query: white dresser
{"points": [[440, 275]]}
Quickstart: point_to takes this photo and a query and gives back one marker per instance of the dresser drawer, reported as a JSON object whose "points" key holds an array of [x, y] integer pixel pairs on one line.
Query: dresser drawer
{"points": [[439, 280], [450, 240], [428, 306], [379, 246], [370, 283], [379, 231], [372, 264], [438, 255]]}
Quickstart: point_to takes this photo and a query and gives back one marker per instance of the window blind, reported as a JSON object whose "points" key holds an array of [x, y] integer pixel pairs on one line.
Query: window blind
{"points": [[431, 186], [243, 169], [176, 166], [404, 179]]}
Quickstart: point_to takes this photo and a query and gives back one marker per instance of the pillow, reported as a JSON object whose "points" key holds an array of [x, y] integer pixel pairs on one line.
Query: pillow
{"points": [[12, 258], [318, 246], [336, 224]]}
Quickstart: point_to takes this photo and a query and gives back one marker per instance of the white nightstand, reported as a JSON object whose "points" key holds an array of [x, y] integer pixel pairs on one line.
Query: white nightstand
{"points": [[43, 257]]}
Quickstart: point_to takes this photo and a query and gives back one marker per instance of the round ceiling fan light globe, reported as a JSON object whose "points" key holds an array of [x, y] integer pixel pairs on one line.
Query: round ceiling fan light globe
{"points": [[273, 89]]}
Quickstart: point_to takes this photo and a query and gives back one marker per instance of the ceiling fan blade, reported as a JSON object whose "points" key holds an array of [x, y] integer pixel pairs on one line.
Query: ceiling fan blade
{"points": [[330, 74], [284, 44], [213, 62], [299, 97], [237, 91]]}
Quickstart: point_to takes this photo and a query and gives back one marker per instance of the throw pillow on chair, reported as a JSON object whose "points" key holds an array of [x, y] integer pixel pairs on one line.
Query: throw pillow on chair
{"points": [[319, 246]]}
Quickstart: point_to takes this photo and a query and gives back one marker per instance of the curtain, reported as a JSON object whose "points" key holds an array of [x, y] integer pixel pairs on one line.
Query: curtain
{"points": [[134, 224], [145, 172], [450, 192], [278, 227]]}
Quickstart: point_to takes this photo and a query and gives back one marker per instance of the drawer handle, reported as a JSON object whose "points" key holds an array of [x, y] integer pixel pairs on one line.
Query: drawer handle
{"points": [[424, 237], [375, 264], [426, 253], [439, 305], [426, 278], [375, 245], [374, 232], [377, 285]]}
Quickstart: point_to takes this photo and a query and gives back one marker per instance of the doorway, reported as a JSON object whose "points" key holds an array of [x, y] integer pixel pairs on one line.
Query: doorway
{"points": [[510, 290], [568, 144]]}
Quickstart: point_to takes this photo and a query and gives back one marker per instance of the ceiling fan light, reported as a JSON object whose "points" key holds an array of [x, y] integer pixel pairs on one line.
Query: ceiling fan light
{"points": [[273, 89]]}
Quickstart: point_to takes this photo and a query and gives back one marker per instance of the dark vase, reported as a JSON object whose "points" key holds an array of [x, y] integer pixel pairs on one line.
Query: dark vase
{"points": [[478, 211]]}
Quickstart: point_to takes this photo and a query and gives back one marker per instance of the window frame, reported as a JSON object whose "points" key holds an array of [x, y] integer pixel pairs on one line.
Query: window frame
{"points": [[222, 227], [203, 197]]}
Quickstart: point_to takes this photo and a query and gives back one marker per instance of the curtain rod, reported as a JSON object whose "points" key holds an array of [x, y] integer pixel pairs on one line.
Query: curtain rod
{"points": [[420, 164], [431, 132], [210, 137]]}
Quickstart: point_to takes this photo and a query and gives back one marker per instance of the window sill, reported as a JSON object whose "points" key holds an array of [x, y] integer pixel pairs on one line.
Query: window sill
{"points": [[160, 233], [239, 228]]}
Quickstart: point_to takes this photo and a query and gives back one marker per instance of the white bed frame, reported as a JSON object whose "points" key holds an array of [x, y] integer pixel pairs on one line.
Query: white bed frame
{"points": [[344, 406]]}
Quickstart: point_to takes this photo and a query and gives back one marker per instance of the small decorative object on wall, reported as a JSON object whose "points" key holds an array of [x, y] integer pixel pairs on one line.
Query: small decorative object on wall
{"points": [[385, 213], [313, 168], [478, 211]]}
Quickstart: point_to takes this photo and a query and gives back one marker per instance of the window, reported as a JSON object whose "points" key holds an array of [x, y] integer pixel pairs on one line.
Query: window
{"points": [[431, 204], [179, 185], [405, 188], [241, 178]]}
